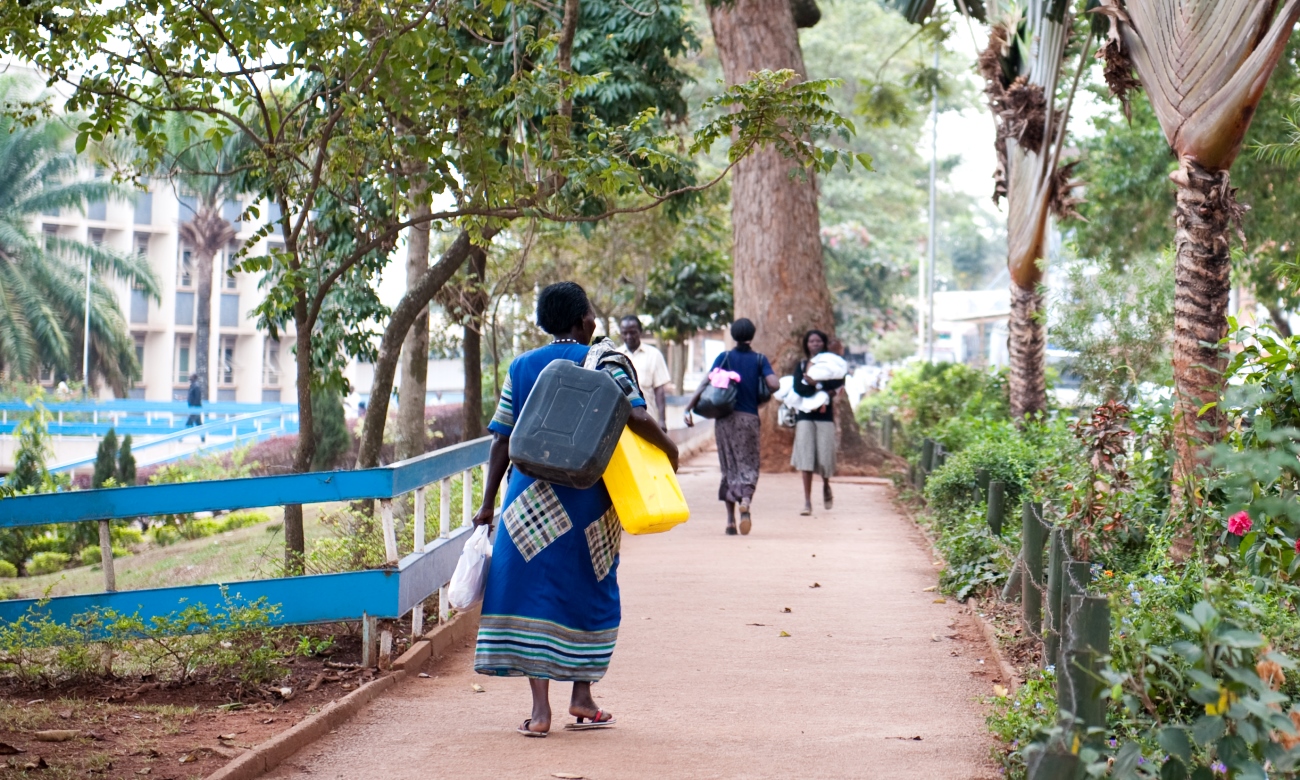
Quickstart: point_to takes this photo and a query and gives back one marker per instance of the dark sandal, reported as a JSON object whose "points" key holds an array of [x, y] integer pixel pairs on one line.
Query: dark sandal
{"points": [[827, 498], [731, 529], [603, 720], [527, 732]]}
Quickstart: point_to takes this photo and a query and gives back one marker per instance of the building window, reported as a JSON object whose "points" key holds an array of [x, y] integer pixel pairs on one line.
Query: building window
{"points": [[46, 376], [185, 275], [184, 308], [96, 237], [231, 281], [51, 236], [144, 204], [271, 363], [229, 310], [139, 356], [182, 360], [227, 360], [142, 245]]}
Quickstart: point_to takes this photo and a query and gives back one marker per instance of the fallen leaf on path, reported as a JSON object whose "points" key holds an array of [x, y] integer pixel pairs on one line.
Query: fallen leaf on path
{"points": [[786, 609], [935, 638], [566, 776], [784, 633], [909, 739], [815, 585], [931, 589], [39, 763], [424, 675], [193, 756], [55, 735], [940, 601], [478, 688], [756, 624], [9, 750], [145, 771], [1000, 691]]}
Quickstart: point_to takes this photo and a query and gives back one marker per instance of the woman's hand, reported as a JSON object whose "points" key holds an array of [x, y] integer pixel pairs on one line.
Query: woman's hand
{"points": [[484, 515], [690, 419]]}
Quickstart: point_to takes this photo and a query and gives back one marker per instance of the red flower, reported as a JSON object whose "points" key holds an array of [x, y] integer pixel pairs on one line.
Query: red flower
{"points": [[1239, 524], [1297, 545]]}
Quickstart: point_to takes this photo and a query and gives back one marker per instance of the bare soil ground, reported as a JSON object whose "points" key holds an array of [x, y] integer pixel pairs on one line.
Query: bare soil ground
{"points": [[129, 728]]}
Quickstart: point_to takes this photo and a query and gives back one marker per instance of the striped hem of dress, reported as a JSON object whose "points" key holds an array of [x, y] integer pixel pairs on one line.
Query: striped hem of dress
{"points": [[510, 646]]}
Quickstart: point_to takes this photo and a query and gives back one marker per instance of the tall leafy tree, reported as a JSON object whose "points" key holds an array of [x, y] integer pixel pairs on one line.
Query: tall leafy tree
{"points": [[105, 460], [689, 292], [1204, 65], [43, 277]]}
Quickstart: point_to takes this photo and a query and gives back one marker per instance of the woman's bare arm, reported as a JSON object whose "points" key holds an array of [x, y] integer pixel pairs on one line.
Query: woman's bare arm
{"points": [[647, 427], [498, 462]]}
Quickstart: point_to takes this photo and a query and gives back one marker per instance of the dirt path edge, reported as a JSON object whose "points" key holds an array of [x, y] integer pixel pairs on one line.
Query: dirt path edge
{"points": [[276, 750]]}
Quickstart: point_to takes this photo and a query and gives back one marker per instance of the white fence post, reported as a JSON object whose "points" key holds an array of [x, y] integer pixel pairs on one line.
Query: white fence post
{"points": [[390, 535], [466, 496], [444, 531], [417, 612]]}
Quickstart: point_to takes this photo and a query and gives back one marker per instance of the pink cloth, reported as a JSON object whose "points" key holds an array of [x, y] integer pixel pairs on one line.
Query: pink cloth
{"points": [[721, 377]]}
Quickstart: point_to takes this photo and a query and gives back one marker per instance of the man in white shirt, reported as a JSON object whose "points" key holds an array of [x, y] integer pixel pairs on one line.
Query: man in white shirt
{"points": [[651, 370]]}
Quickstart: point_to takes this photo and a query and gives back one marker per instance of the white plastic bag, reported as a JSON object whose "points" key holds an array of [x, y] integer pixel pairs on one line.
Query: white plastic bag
{"points": [[470, 578]]}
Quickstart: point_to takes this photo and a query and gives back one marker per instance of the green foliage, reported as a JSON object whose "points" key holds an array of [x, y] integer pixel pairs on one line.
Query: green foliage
{"points": [[105, 460], [48, 562], [689, 293], [231, 640], [125, 463], [329, 429], [1119, 323], [1016, 718], [29, 472], [42, 313], [939, 400], [8, 570], [998, 448], [90, 555]]}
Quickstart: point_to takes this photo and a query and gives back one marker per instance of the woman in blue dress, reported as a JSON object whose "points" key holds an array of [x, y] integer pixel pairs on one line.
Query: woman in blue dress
{"points": [[551, 605]]}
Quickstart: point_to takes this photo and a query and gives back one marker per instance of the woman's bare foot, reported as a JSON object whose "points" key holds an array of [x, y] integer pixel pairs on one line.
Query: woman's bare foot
{"points": [[582, 706], [540, 722]]}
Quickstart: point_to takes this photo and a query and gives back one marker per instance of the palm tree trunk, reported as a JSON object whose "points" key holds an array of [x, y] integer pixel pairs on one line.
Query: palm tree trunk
{"points": [[415, 350], [203, 316], [1202, 284], [1028, 352]]}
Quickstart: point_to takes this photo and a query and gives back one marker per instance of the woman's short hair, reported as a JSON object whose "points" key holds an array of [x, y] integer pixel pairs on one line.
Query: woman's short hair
{"points": [[826, 340], [743, 330], [561, 306]]}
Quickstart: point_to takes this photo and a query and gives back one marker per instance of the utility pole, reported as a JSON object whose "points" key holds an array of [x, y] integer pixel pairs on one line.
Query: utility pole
{"points": [[928, 330], [85, 340]]}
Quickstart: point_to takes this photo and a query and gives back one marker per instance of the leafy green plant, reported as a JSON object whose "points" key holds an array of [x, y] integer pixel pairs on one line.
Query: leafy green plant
{"points": [[48, 562], [8, 570], [941, 400]]}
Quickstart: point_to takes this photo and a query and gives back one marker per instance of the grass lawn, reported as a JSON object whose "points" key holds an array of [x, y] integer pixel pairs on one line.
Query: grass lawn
{"points": [[250, 553]]}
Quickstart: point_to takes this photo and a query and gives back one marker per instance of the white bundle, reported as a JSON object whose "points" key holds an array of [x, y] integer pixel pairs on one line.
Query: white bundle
{"points": [[826, 366], [785, 390]]}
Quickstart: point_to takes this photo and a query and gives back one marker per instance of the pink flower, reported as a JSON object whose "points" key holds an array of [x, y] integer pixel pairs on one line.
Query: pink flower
{"points": [[1239, 524], [1297, 545]]}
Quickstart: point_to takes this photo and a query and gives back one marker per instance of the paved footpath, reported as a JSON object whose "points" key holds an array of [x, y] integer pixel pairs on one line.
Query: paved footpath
{"points": [[875, 679]]}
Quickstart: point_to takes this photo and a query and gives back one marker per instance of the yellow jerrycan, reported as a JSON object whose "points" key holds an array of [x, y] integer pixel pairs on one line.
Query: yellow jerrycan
{"points": [[643, 487]]}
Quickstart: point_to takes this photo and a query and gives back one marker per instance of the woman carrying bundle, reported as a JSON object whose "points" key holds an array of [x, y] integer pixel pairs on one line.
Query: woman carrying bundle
{"points": [[551, 606], [819, 376]]}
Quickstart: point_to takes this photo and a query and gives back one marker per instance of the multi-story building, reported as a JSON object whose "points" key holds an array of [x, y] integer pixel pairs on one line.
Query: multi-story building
{"points": [[245, 364]]}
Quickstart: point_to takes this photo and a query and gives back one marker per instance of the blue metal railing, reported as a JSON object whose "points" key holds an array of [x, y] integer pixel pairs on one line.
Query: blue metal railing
{"points": [[388, 593], [138, 418]]}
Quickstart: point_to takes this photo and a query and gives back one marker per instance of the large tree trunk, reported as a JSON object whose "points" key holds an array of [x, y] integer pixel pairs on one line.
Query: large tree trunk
{"points": [[780, 282], [203, 317], [677, 364], [415, 350], [415, 300], [472, 345], [1202, 284], [1028, 352], [295, 545]]}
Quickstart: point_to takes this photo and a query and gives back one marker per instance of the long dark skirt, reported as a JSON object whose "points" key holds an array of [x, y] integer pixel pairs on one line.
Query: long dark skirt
{"points": [[737, 437]]}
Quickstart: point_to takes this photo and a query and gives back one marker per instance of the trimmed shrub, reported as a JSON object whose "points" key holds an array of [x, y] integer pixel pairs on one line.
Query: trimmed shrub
{"points": [[164, 535], [243, 519], [47, 562], [8, 570]]}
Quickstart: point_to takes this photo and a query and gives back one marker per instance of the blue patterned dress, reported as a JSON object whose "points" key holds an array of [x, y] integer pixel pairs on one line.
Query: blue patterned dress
{"points": [[551, 606]]}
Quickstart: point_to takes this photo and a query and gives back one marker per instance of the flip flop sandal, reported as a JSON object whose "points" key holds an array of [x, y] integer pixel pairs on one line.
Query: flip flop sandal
{"points": [[603, 720], [745, 522], [731, 529], [805, 512], [527, 732]]}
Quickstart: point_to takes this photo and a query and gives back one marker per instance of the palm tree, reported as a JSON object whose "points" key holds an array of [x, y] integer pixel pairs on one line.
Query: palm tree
{"points": [[209, 172], [1022, 67], [43, 277], [1204, 64]]}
